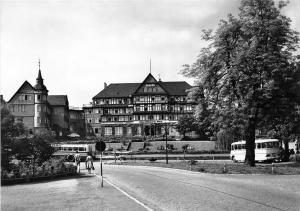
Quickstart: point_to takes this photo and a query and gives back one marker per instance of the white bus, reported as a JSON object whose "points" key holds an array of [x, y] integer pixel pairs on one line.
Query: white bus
{"points": [[265, 150], [70, 149]]}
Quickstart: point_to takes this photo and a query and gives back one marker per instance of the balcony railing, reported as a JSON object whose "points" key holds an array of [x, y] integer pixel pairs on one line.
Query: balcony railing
{"points": [[87, 105], [75, 108]]}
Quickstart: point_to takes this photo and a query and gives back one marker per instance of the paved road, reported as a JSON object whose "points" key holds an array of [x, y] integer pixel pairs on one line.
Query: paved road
{"points": [[167, 189], [156, 189]]}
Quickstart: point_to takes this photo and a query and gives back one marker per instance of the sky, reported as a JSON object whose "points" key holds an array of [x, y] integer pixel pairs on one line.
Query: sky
{"points": [[83, 43]]}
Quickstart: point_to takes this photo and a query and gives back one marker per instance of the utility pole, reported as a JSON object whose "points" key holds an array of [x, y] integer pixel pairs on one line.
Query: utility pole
{"points": [[166, 133], [101, 170]]}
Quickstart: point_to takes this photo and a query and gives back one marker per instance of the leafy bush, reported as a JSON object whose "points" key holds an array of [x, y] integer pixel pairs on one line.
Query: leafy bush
{"points": [[123, 158], [192, 162], [202, 169], [152, 159], [21, 169]]}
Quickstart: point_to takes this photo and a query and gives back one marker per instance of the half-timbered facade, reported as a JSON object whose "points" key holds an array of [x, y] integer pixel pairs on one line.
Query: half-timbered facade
{"points": [[138, 110]]}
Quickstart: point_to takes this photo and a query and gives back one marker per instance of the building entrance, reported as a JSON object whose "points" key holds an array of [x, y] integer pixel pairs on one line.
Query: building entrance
{"points": [[149, 130]]}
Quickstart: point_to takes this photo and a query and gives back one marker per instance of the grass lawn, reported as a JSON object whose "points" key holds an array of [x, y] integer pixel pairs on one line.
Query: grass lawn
{"points": [[218, 168]]}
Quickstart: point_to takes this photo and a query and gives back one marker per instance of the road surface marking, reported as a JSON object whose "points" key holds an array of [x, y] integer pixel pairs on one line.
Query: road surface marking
{"points": [[126, 194]]}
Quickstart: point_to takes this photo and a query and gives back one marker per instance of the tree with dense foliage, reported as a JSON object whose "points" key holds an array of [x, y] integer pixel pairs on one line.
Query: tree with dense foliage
{"points": [[16, 145], [35, 150], [186, 124], [247, 75], [9, 130]]}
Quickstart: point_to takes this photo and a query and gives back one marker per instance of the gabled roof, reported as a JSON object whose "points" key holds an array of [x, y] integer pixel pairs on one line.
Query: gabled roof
{"points": [[58, 100], [149, 79], [26, 83], [175, 87], [126, 89], [118, 90]]}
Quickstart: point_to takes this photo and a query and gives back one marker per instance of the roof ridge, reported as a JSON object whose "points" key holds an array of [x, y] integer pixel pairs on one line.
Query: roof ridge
{"points": [[124, 83]]}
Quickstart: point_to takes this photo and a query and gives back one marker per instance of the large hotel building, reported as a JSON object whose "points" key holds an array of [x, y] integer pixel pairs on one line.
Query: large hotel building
{"points": [[138, 110]]}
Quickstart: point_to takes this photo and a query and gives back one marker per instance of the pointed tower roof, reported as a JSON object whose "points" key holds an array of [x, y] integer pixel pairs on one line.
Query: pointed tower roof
{"points": [[39, 75], [40, 81]]}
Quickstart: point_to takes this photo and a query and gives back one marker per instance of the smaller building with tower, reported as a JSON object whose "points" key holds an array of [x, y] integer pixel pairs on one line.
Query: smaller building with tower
{"points": [[39, 111]]}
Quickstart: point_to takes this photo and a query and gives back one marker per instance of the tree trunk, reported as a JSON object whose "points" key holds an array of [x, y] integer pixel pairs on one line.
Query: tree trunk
{"points": [[286, 156], [250, 143]]}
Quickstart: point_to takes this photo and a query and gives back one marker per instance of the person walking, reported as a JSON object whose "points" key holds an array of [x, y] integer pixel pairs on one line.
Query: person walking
{"points": [[77, 161], [89, 163]]}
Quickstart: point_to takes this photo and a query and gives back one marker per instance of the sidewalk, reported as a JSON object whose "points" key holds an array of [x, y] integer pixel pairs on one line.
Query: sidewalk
{"points": [[82, 193]]}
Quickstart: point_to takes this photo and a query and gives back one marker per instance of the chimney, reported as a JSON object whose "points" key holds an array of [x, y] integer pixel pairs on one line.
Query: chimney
{"points": [[159, 79], [105, 85]]}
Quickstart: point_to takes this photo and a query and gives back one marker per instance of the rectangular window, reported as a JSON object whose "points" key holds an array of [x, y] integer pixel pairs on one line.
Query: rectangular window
{"points": [[96, 130], [129, 131], [26, 97], [139, 130], [19, 119], [259, 145], [39, 97], [119, 131], [39, 119], [108, 131]]}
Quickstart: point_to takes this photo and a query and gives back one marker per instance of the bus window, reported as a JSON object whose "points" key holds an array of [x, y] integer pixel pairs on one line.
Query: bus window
{"points": [[269, 145], [239, 146], [232, 147], [75, 148], [275, 144], [258, 145], [263, 145], [243, 146], [81, 149], [70, 149], [235, 147]]}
